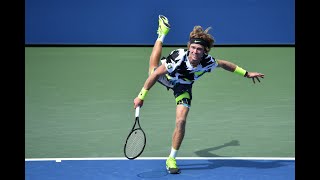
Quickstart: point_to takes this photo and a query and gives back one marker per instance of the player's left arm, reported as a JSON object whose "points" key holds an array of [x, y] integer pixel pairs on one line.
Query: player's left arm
{"points": [[229, 66]]}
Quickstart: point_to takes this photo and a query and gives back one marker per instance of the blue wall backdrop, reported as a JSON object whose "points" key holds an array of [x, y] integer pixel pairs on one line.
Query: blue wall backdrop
{"points": [[134, 22]]}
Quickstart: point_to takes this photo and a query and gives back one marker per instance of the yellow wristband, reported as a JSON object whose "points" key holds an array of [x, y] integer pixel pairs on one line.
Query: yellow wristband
{"points": [[142, 93], [240, 71]]}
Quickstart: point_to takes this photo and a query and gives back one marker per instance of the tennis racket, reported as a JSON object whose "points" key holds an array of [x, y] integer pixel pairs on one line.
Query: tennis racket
{"points": [[136, 140]]}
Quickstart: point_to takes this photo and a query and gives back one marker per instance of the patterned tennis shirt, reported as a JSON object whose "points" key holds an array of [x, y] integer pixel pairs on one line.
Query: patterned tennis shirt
{"points": [[181, 71]]}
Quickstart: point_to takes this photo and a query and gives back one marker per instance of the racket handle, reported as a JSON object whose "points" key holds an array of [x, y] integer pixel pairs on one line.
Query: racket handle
{"points": [[137, 111]]}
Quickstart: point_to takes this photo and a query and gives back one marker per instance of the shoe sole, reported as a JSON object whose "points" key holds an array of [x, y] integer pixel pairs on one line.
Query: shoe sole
{"points": [[164, 19], [173, 170]]}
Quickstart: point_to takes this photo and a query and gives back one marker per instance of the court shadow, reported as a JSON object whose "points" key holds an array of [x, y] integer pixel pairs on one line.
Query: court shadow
{"points": [[207, 153], [153, 174], [214, 164]]}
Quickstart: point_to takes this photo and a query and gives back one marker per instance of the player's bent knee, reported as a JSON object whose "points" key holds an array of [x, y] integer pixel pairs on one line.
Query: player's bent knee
{"points": [[151, 70]]}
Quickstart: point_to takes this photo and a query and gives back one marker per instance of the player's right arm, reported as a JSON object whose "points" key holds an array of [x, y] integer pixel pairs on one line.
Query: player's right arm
{"points": [[151, 80]]}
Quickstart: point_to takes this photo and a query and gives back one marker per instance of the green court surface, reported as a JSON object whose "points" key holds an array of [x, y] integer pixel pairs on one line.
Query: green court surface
{"points": [[79, 103]]}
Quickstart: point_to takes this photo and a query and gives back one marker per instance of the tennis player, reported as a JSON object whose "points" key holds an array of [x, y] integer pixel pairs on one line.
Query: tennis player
{"points": [[178, 71]]}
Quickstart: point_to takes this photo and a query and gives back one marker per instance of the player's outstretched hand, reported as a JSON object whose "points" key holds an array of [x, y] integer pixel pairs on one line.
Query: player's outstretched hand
{"points": [[255, 75]]}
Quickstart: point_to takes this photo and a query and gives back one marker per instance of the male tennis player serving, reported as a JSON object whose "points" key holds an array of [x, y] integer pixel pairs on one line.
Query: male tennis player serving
{"points": [[178, 71]]}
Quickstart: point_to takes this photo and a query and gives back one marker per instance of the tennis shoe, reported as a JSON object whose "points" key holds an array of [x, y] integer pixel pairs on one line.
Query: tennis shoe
{"points": [[164, 26], [171, 165]]}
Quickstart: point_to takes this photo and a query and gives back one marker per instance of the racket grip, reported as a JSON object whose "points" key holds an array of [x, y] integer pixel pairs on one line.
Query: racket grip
{"points": [[137, 111]]}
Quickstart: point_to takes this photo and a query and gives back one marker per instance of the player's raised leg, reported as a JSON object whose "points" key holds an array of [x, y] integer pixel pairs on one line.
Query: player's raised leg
{"points": [[162, 31]]}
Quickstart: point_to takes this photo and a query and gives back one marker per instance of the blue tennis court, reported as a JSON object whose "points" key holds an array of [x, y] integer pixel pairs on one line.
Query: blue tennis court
{"points": [[154, 168]]}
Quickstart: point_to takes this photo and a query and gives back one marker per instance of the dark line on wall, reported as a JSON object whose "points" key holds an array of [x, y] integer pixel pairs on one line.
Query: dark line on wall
{"points": [[130, 45]]}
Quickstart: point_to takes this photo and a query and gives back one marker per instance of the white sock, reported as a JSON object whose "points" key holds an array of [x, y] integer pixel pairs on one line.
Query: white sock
{"points": [[161, 38], [173, 153]]}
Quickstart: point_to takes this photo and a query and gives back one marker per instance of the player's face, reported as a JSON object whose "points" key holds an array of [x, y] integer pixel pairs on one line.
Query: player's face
{"points": [[196, 53]]}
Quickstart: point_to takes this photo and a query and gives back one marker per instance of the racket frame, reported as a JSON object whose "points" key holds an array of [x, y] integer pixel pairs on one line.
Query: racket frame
{"points": [[134, 128]]}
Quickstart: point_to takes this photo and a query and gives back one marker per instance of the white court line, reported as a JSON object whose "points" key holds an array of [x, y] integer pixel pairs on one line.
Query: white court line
{"points": [[162, 158]]}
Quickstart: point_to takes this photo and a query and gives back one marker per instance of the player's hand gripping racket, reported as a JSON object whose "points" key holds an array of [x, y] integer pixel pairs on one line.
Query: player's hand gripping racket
{"points": [[136, 140]]}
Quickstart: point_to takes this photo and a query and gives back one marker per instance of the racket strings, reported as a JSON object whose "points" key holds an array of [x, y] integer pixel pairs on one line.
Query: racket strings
{"points": [[135, 143]]}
